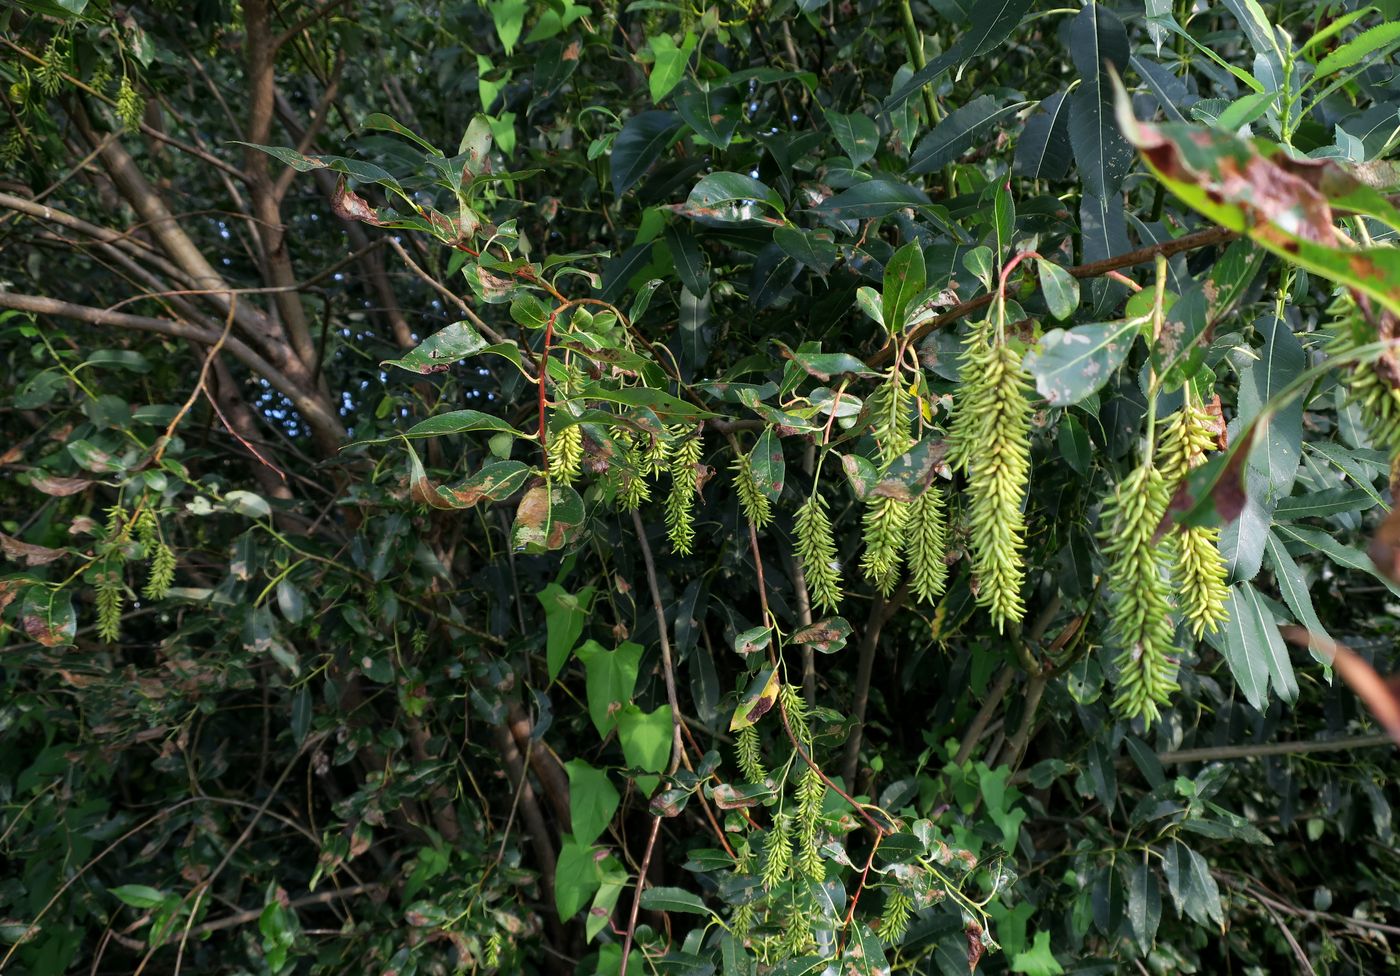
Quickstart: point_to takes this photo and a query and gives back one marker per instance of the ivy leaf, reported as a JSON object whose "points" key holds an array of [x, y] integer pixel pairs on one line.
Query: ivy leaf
{"points": [[645, 737], [575, 878], [592, 801], [610, 677], [1038, 960], [565, 614]]}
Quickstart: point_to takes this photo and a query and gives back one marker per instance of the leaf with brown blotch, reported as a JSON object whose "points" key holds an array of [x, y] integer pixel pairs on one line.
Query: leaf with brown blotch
{"points": [[58, 487], [1380, 695], [28, 553], [349, 205]]}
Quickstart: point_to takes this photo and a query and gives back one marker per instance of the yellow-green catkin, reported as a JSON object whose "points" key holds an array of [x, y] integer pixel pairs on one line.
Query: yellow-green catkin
{"points": [[656, 453], [990, 441], [1373, 386], [680, 502], [816, 552], [925, 544], [629, 483], [1137, 581], [109, 600], [54, 65], [131, 106], [885, 518], [894, 920], [566, 451], [811, 795], [757, 508], [750, 755], [1198, 569], [777, 852], [160, 557]]}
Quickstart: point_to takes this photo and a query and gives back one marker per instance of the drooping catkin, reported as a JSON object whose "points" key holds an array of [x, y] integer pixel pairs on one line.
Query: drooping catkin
{"points": [[990, 441], [777, 852], [756, 506], [811, 794], [816, 552], [894, 920], [680, 502], [1137, 581], [628, 479], [1374, 386], [566, 451], [109, 600], [885, 518], [750, 755], [925, 543], [161, 558], [1198, 569]]}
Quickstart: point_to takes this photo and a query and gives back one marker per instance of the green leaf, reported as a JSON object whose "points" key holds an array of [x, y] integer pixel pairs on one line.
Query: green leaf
{"points": [[613, 881], [717, 189], [669, 64], [576, 878], [856, 134], [957, 132], [710, 110], [565, 614], [1073, 441], [1253, 648], [1192, 886], [1096, 41], [1340, 553], [673, 900], [865, 953], [905, 277], [991, 23], [646, 737], [1043, 150], [592, 801], [640, 143], [769, 469], [812, 248], [385, 123], [441, 349], [1038, 960], [1351, 53], [1071, 364], [459, 422], [138, 896], [688, 259], [1060, 288], [1293, 587], [610, 677], [1144, 904], [873, 198]]}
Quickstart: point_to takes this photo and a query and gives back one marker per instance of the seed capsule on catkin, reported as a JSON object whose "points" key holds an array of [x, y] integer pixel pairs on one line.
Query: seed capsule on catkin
{"points": [[816, 552], [1198, 569], [926, 543]]}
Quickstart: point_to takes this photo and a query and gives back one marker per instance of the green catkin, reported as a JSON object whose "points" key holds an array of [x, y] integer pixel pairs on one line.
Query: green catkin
{"points": [[1142, 619], [630, 480], [750, 755], [130, 105], [816, 552], [756, 506], [925, 544], [1374, 387], [811, 794], [883, 527], [796, 939], [885, 518], [990, 441], [1198, 569], [109, 601], [777, 852], [53, 66], [566, 453], [655, 455], [680, 502], [894, 920], [160, 557]]}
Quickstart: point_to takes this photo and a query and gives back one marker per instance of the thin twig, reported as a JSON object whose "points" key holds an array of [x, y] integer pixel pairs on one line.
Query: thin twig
{"points": [[199, 385], [1273, 749]]}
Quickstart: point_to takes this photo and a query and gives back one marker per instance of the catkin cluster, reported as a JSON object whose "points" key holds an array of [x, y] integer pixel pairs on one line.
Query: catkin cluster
{"points": [[1198, 571], [1137, 580], [680, 502], [990, 441], [1374, 386]]}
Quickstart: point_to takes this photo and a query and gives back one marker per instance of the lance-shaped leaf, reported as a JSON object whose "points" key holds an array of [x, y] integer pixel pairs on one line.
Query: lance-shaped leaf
{"points": [[441, 349], [957, 132]]}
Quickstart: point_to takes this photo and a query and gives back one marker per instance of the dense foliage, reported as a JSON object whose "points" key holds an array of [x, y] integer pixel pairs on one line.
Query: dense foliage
{"points": [[535, 487]]}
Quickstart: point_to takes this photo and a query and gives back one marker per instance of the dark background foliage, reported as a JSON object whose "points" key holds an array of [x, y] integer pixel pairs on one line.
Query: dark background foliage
{"points": [[355, 734]]}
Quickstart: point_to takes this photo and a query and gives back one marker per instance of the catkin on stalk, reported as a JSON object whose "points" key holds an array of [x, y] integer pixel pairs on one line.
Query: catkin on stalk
{"points": [[680, 502], [1141, 592], [816, 552], [885, 518], [750, 755], [1198, 569], [757, 508], [925, 544], [566, 452], [1374, 386], [990, 440], [777, 852]]}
